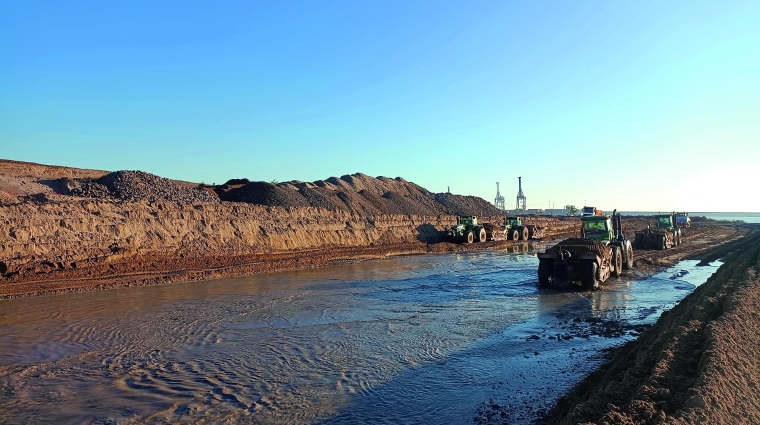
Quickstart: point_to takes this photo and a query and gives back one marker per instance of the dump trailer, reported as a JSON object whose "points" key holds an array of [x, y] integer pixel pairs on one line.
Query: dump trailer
{"points": [[683, 220], [601, 251], [467, 230], [665, 234]]}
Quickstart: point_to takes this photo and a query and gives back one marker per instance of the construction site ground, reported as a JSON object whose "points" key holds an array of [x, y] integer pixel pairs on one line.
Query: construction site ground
{"points": [[698, 364]]}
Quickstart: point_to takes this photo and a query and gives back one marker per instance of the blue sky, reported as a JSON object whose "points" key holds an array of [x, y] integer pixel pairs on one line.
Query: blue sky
{"points": [[628, 105]]}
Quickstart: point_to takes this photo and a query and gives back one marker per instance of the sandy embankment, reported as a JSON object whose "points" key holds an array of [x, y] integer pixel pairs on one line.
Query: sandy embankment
{"points": [[50, 247]]}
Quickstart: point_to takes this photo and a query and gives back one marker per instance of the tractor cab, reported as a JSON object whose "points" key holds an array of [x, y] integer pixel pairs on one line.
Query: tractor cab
{"points": [[512, 222], [468, 220], [597, 227], [664, 221]]}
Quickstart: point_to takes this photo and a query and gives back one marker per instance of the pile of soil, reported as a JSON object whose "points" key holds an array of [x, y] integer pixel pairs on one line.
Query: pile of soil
{"points": [[139, 186], [263, 193], [358, 194]]}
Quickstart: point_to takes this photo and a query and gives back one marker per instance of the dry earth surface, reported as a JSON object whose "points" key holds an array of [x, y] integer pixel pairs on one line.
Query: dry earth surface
{"points": [[66, 229]]}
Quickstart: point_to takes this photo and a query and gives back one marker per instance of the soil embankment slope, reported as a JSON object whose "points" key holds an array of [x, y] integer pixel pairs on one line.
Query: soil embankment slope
{"points": [[132, 228]]}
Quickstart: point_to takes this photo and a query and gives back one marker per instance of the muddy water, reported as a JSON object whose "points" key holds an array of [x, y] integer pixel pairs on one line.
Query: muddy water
{"points": [[424, 339]]}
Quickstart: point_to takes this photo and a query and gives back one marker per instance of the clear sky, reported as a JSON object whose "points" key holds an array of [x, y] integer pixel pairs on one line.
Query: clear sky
{"points": [[646, 105]]}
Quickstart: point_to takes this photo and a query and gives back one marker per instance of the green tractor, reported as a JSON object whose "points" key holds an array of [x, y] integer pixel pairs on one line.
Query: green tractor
{"points": [[467, 230], [601, 251], [513, 229], [666, 233]]}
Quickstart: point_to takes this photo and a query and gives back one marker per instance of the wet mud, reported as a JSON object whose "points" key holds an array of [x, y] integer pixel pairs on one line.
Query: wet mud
{"points": [[422, 339]]}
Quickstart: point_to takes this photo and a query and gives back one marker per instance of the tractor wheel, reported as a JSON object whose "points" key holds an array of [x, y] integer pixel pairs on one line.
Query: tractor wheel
{"points": [[661, 243], [545, 273], [515, 235], [628, 264], [617, 261], [638, 241], [588, 275], [482, 235], [678, 239], [469, 237], [524, 234]]}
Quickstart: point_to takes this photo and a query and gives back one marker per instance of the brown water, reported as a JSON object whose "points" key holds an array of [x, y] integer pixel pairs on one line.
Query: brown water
{"points": [[423, 339]]}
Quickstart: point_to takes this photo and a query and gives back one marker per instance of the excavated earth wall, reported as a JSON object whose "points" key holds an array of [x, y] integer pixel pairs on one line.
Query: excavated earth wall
{"points": [[72, 244]]}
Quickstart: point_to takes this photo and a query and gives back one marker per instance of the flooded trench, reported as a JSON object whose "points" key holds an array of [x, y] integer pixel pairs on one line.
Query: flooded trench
{"points": [[446, 338]]}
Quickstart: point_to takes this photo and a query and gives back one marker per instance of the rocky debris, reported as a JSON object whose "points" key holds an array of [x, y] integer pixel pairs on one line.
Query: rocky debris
{"points": [[87, 189], [140, 186]]}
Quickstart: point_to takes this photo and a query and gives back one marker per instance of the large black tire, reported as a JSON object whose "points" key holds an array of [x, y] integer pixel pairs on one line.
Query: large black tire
{"points": [[638, 241], [523, 233], [469, 237], [617, 261], [628, 263], [678, 237], [588, 275], [661, 243], [482, 235], [514, 235], [545, 273]]}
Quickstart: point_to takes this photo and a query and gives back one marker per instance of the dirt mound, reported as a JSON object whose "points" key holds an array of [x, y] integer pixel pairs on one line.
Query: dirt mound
{"points": [[358, 194], [263, 193], [139, 186], [466, 205]]}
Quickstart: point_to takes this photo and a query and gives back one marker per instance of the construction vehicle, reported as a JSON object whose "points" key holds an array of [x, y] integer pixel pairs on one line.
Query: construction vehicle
{"points": [[666, 234], [467, 230], [683, 220], [601, 251], [513, 229], [587, 211]]}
